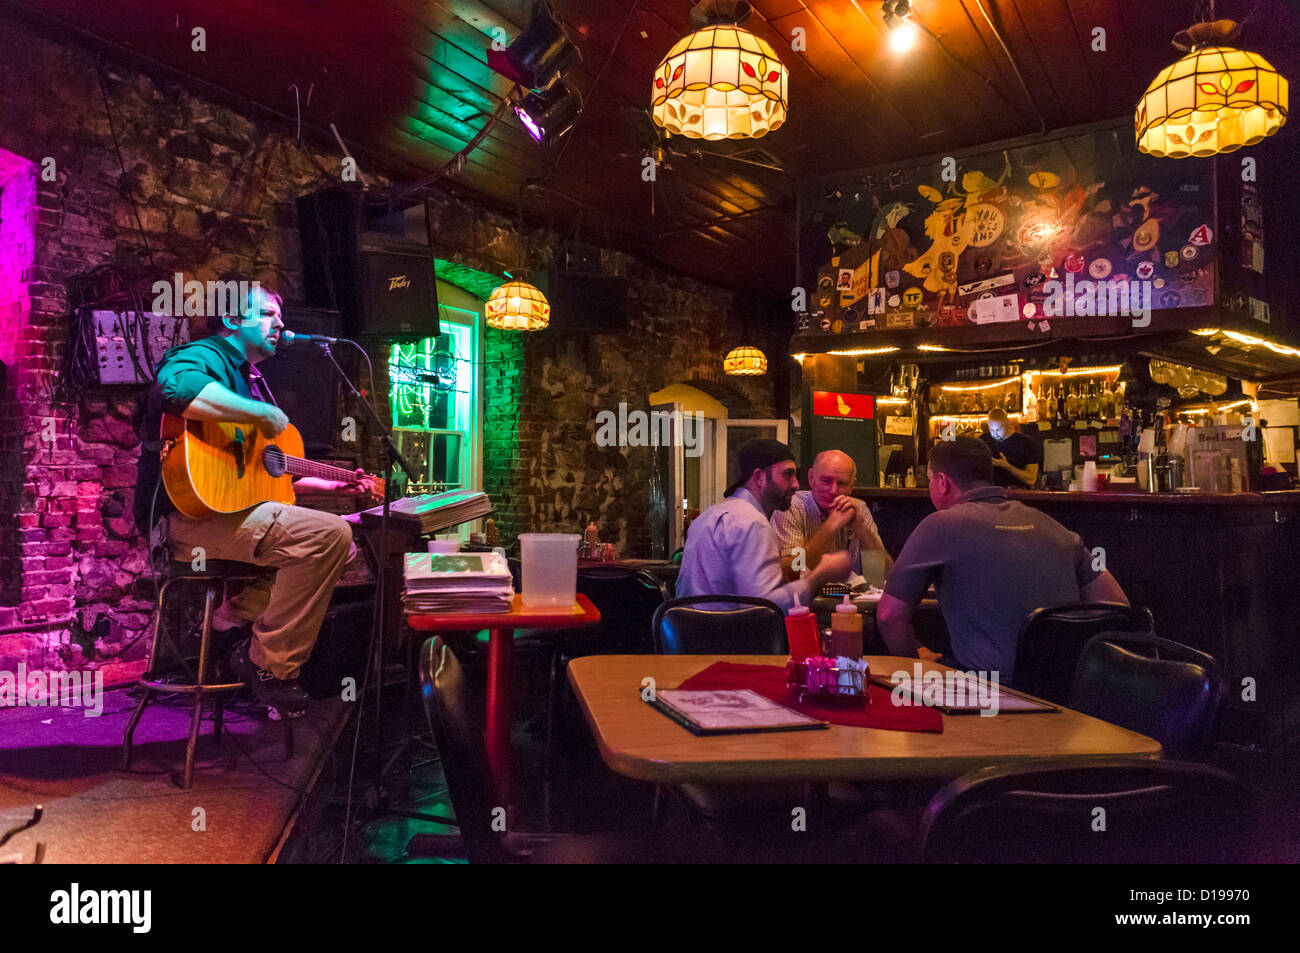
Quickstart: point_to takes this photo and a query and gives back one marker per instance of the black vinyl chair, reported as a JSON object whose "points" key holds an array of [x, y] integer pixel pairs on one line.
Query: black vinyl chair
{"points": [[1052, 639], [684, 627], [1156, 687], [749, 626], [451, 709], [1164, 812]]}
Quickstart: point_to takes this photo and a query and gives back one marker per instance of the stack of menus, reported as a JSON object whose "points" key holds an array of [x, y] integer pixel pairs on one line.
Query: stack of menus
{"points": [[457, 582]]}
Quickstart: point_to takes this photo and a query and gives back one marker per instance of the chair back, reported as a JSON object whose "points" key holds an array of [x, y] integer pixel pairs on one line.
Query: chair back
{"points": [[1156, 687], [449, 706], [627, 599], [1167, 812], [698, 625], [1052, 639]]}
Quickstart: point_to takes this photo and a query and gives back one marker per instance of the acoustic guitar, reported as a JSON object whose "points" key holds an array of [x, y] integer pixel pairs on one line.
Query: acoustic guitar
{"points": [[210, 468]]}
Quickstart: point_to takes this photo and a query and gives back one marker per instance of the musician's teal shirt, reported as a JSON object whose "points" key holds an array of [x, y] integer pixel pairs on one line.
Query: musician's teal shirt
{"points": [[183, 372]]}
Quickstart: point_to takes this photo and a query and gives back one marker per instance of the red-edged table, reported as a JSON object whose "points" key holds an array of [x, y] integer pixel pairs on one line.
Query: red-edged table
{"points": [[501, 627]]}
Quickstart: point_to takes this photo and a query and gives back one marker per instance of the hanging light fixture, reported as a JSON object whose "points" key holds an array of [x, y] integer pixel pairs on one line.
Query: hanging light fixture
{"points": [[745, 361], [517, 306], [1215, 99], [720, 82]]}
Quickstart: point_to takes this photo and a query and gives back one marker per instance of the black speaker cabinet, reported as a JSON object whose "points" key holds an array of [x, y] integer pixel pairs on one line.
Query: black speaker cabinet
{"points": [[304, 382], [588, 302], [341, 650], [382, 285]]}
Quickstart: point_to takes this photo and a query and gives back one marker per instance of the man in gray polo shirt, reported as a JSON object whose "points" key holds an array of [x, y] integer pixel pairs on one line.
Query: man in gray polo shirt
{"points": [[992, 562]]}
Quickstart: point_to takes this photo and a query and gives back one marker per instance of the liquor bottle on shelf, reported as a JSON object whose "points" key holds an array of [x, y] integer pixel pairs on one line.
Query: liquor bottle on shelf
{"points": [[1060, 404], [1072, 403], [1107, 402], [1094, 401]]}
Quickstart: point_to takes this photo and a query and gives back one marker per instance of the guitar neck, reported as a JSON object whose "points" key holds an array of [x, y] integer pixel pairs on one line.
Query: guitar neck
{"points": [[298, 466]]}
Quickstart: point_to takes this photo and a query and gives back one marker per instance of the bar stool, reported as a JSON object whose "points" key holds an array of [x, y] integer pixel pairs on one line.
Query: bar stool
{"points": [[215, 579]]}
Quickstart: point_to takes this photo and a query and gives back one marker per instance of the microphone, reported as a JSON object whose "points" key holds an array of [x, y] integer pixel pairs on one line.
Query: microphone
{"points": [[290, 339]]}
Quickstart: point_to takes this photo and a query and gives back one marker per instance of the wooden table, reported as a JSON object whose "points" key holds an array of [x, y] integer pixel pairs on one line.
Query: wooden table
{"points": [[637, 741], [501, 627]]}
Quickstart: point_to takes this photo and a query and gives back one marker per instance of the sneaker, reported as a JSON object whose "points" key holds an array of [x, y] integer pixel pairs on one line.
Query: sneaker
{"points": [[285, 695]]}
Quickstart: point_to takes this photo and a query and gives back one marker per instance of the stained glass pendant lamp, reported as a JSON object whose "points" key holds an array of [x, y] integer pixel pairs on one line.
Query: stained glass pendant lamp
{"points": [[745, 361], [720, 82], [1217, 98], [517, 306]]}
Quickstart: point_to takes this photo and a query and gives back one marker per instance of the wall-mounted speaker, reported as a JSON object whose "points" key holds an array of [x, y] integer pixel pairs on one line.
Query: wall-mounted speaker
{"points": [[588, 302], [383, 286]]}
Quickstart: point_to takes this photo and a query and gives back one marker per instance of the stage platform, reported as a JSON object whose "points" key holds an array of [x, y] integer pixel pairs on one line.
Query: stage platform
{"points": [[95, 813]]}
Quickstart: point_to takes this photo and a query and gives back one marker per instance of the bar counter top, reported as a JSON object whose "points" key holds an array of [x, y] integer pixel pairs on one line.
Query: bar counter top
{"points": [[1120, 497]]}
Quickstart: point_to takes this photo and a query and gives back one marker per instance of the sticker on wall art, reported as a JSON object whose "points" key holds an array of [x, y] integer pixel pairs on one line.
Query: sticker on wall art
{"points": [[876, 301], [1202, 236], [912, 297], [1159, 283], [1034, 279], [1171, 259], [1073, 262], [991, 310], [1145, 270], [845, 282], [1189, 252], [1189, 273], [1170, 299], [849, 315], [900, 319], [802, 322], [837, 326], [825, 324], [893, 301], [987, 284], [1029, 310], [866, 324], [1100, 268], [891, 279]]}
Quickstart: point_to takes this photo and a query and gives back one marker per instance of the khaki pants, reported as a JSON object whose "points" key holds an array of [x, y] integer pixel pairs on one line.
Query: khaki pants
{"points": [[307, 548]]}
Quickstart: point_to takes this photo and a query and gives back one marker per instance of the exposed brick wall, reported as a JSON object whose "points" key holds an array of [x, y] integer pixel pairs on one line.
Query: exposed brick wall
{"points": [[214, 192]]}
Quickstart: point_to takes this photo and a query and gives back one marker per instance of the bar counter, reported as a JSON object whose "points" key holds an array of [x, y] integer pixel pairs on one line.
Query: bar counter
{"points": [[1221, 572]]}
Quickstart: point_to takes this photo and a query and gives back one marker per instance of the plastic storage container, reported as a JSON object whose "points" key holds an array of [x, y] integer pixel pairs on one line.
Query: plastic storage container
{"points": [[549, 565]]}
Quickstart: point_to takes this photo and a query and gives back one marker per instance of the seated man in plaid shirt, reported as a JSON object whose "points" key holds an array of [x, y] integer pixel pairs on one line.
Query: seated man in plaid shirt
{"points": [[825, 519]]}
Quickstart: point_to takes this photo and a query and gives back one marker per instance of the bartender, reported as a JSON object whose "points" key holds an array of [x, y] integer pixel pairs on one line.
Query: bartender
{"points": [[1015, 458]]}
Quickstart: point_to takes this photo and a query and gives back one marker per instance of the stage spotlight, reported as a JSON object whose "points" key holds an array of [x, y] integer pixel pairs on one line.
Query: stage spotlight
{"points": [[549, 114], [540, 54]]}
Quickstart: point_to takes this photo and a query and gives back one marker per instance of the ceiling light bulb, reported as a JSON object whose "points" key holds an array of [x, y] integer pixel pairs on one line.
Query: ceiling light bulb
{"points": [[903, 37]]}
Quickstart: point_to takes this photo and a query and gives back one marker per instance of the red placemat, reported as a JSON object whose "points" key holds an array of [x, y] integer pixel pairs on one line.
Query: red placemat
{"points": [[769, 681]]}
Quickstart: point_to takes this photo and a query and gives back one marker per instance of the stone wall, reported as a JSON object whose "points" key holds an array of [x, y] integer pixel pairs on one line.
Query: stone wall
{"points": [[212, 190]]}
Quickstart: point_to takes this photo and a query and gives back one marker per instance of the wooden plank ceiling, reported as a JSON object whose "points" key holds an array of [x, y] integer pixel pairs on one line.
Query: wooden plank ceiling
{"points": [[407, 79]]}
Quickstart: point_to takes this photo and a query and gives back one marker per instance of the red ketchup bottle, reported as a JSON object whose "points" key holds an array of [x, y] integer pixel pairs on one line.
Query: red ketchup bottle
{"points": [[801, 630]]}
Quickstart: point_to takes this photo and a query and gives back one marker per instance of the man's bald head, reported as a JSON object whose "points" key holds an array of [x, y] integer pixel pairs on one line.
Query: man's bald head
{"points": [[999, 423], [832, 474]]}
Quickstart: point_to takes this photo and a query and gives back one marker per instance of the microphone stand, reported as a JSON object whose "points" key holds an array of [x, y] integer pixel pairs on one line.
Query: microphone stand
{"points": [[391, 455]]}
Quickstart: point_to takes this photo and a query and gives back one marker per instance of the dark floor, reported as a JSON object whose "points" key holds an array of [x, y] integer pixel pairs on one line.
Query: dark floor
{"points": [[244, 796], [587, 797]]}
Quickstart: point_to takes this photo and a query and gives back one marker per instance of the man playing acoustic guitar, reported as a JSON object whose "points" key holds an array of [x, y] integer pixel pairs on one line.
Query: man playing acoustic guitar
{"points": [[214, 379]]}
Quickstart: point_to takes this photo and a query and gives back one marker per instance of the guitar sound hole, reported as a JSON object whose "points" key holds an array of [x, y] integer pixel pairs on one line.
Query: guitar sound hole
{"points": [[273, 460]]}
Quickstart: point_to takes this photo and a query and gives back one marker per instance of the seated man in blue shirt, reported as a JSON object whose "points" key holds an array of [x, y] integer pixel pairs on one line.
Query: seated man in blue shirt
{"points": [[732, 548], [992, 562]]}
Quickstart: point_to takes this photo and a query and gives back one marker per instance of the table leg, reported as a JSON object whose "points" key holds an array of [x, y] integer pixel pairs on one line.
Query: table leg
{"points": [[500, 648]]}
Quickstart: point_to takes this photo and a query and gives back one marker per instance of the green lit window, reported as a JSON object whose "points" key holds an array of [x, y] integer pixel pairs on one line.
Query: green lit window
{"points": [[430, 394]]}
